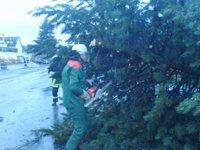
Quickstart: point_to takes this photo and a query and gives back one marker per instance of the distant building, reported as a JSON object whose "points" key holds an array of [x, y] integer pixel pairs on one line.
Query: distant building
{"points": [[12, 48], [37, 58], [12, 45]]}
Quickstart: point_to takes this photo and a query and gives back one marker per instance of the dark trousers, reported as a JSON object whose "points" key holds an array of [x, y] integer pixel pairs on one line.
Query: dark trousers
{"points": [[82, 121], [55, 94]]}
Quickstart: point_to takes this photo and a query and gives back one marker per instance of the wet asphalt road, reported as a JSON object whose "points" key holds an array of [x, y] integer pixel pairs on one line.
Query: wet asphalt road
{"points": [[25, 105], [7, 74]]}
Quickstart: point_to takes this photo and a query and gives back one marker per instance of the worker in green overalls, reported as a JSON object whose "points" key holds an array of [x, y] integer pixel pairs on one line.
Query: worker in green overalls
{"points": [[75, 94]]}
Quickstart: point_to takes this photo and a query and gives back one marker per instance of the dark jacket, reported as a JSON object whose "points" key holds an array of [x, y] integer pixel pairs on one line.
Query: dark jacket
{"points": [[74, 82]]}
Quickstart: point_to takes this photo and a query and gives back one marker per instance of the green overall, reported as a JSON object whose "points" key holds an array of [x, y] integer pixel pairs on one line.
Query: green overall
{"points": [[73, 83]]}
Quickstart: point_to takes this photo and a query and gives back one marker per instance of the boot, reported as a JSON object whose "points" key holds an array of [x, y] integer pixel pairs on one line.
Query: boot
{"points": [[54, 104]]}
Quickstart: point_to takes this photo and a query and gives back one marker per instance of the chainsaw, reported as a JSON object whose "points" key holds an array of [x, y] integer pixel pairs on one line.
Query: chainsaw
{"points": [[95, 92]]}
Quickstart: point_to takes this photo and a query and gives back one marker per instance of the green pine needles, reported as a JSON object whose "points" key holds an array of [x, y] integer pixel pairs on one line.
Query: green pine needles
{"points": [[151, 53]]}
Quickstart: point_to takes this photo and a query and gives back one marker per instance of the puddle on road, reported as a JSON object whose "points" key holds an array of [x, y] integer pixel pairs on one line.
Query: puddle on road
{"points": [[47, 90], [2, 96], [43, 75], [46, 142], [50, 115], [56, 115], [1, 119], [2, 102], [56, 109], [33, 88]]}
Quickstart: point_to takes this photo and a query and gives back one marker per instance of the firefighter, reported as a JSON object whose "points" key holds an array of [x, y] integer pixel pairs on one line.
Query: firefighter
{"points": [[55, 67]]}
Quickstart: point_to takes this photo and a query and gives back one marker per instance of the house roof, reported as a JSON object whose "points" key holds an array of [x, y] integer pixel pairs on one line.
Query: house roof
{"points": [[12, 41]]}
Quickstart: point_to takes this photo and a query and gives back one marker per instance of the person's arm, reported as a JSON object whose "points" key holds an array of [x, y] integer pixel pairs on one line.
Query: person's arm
{"points": [[75, 83]]}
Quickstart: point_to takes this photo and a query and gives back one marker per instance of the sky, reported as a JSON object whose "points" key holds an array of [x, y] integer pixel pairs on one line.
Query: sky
{"points": [[15, 21]]}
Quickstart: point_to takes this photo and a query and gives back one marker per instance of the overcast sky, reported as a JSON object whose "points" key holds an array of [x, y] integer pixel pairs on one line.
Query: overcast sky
{"points": [[14, 20]]}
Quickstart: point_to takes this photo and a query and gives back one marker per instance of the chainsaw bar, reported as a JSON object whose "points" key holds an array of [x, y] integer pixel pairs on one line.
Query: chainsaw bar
{"points": [[106, 86]]}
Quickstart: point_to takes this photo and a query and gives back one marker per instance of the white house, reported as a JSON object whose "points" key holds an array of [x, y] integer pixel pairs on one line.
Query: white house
{"points": [[3, 45], [12, 46]]}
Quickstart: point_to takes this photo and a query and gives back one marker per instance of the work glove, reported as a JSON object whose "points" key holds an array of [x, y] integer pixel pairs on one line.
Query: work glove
{"points": [[90, 95], [52, 73], [85, 96], [94, 92]]}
